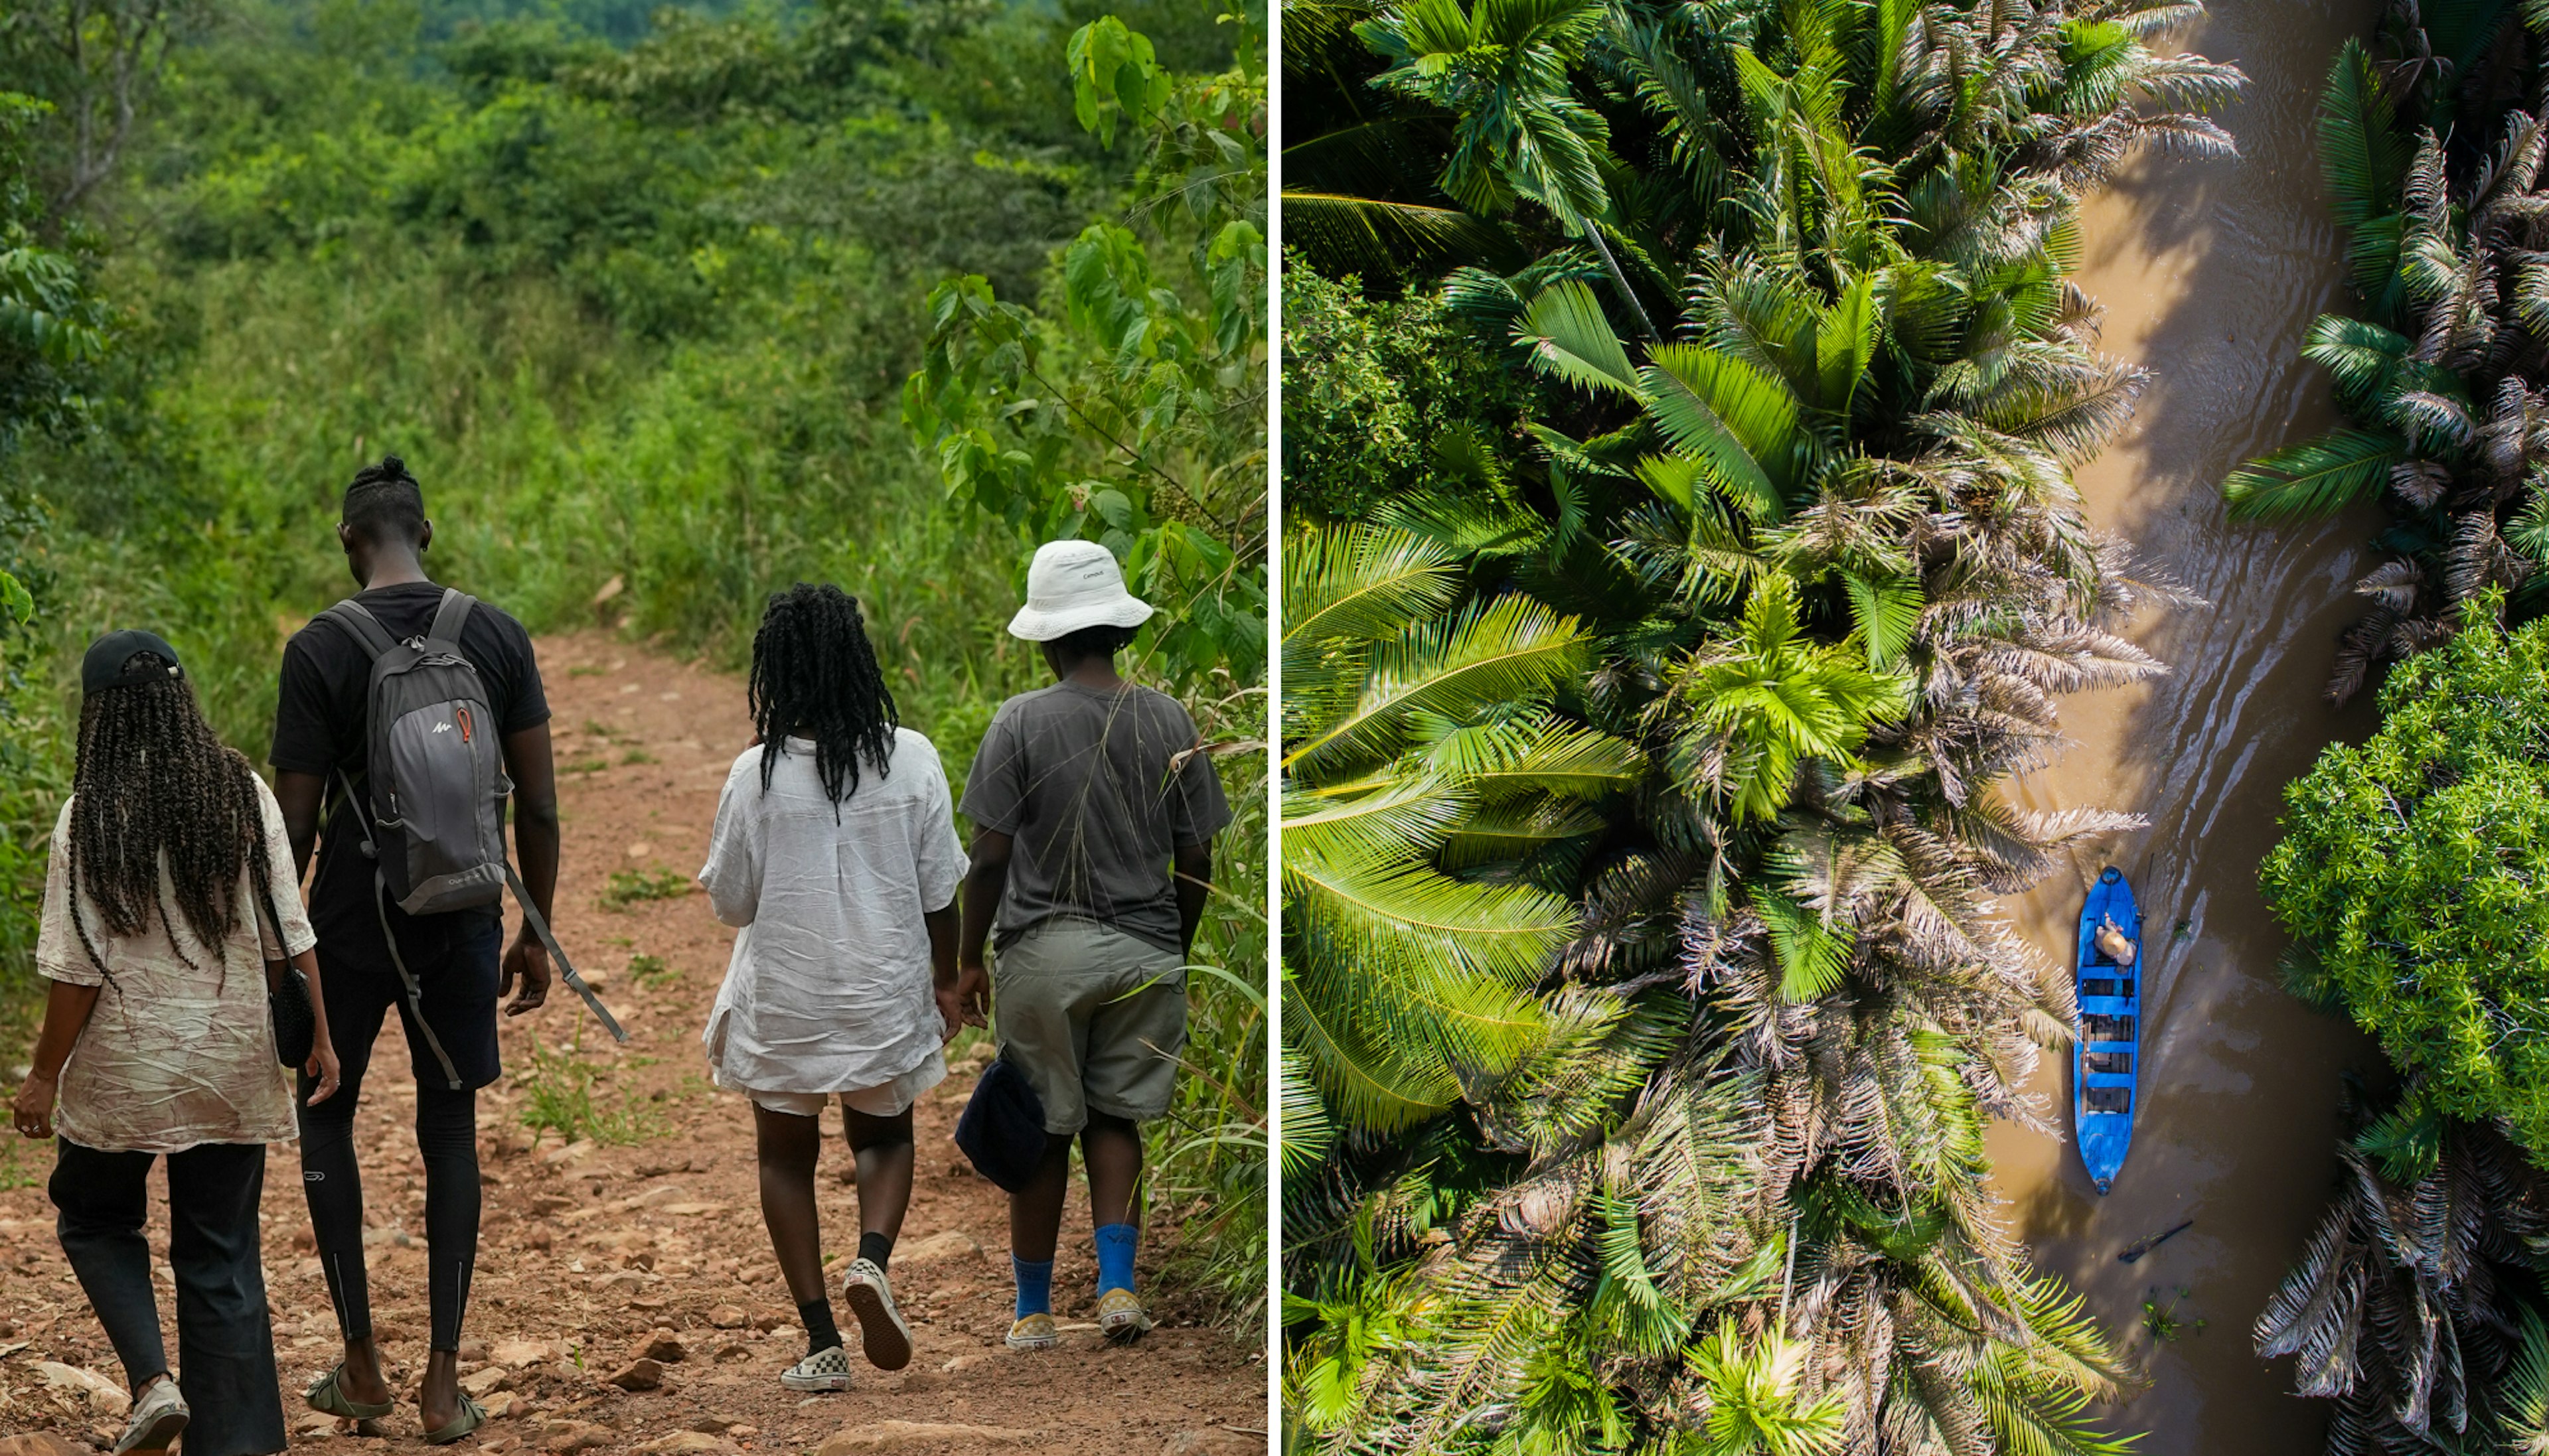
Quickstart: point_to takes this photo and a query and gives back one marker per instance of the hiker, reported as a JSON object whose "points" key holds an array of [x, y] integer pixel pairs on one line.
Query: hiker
{"points": [[836, 855], [171, 910], [445, 971], [1094, 810]]}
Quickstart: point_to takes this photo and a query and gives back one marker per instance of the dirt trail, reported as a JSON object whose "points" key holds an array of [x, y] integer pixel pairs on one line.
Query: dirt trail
{"points": [[588, 1247]]}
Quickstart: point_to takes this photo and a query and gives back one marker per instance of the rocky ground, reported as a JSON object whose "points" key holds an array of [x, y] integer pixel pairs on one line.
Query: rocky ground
{"points": [[626, 1299]]}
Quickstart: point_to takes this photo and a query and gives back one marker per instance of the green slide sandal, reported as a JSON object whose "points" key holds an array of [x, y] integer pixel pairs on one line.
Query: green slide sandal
{"points": [[325, 1398], [472, 1415]]}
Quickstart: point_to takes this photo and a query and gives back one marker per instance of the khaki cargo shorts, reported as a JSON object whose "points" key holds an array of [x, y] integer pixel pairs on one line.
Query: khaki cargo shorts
{"points": [[1094, 1017]]}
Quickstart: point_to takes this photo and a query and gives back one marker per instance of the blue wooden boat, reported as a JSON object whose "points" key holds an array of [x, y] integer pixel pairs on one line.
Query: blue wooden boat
{"points": [[2106, 1055]]}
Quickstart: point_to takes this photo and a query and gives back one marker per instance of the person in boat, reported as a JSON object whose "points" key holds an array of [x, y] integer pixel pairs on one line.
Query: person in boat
{"points": [[2114, 944]]}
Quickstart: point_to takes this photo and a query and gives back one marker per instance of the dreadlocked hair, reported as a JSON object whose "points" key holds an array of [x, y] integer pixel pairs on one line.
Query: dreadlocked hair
{"points": [[815, 675], [153, 785]]}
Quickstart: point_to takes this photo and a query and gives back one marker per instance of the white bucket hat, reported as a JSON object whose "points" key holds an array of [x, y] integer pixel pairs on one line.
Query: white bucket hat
{"points": [[1072, 585]]}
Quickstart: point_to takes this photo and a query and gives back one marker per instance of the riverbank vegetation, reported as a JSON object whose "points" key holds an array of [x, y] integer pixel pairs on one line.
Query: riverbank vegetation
{"points": [[1681, 405], [2411, 868], [2433, 167], [2416, 1308], [667, 308]]}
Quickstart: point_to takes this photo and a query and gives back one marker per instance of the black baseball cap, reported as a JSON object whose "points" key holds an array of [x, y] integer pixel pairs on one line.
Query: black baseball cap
{"points": [[103, 669]]}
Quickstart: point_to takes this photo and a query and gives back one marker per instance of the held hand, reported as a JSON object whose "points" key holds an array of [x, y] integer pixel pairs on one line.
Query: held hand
{"points": [[951, 1012], [528, 959], [321, 1066], [971, 994], [33, 1111]]}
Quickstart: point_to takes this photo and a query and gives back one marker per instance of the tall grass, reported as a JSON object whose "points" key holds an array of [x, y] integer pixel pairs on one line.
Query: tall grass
{"points": [[1207, 1156]]}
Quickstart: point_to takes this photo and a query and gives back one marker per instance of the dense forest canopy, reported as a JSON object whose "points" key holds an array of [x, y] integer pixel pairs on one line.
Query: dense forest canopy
{"points": [[2407, 874], [1686, 399]]}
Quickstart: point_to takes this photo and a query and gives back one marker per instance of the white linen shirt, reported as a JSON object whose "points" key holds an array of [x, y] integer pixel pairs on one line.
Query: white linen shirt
{"points": [[175, 1054], [828, 989]]}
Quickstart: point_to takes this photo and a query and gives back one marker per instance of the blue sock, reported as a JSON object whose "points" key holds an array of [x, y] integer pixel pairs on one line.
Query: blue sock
{"points": [[1035, 1286], [1116, 1255]]}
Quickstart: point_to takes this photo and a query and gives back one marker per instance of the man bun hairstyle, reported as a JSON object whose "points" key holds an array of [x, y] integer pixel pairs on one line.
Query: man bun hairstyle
{"points": [[384, 502], [815, 674]]}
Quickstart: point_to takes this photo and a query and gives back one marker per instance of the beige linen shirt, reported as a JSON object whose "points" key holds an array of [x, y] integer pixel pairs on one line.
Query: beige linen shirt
{"points": [[174, 1054]]}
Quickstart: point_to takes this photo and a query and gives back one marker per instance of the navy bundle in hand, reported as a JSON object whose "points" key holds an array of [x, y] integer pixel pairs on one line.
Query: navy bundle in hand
{"points": [[1002, 1128]]}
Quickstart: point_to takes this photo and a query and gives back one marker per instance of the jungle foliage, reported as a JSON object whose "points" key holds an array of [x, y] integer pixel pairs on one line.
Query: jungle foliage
{"points": [[642, 294], [2405, 876], [2408, 875], [2432, 144], [2416, 1308], [1643, 746]]}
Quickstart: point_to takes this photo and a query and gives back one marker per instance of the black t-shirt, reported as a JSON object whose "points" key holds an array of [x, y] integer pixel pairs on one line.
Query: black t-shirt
{"points": [[318, 728]]}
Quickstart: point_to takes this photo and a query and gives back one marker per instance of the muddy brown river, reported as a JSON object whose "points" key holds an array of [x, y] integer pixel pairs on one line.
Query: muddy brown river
{"points": [[2210, 273]]}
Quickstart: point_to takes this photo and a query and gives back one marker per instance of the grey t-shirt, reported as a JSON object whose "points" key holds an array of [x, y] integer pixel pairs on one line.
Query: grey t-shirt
{"points": [[1087, 784]]}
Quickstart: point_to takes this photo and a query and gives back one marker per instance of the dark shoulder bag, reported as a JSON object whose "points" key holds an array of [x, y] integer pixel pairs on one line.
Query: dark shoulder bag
{"points": [[287, 1001]]}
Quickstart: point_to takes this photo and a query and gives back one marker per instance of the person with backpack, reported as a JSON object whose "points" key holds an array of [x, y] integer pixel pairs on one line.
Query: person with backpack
{"points": [[170, 914], [1093, 808], [835, 856], [409, 712]]}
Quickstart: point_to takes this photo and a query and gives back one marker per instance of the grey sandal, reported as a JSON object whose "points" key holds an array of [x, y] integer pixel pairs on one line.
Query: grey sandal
{"points": [[328, 1399], [472, 1415]]}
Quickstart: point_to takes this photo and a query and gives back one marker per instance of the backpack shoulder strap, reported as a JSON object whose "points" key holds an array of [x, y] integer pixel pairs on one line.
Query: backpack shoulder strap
{"points": [[356, 621], [450, 617]]}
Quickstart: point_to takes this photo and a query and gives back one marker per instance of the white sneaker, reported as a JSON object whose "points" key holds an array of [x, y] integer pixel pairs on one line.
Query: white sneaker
{"points": [[823, 1370], [1121, 1318], [158, 1418], [881, 1333]]}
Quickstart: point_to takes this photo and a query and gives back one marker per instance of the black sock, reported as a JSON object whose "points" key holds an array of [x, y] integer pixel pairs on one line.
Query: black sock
{"points": [[876, 1247], [820, 1333]]}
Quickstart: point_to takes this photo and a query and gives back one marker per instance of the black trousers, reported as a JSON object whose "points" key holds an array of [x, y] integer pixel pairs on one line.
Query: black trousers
{"points": [[224, 1336], [460, 978]]}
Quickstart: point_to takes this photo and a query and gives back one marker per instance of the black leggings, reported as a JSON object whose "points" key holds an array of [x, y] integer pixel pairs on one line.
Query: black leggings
{"points": [[447, 1133]]}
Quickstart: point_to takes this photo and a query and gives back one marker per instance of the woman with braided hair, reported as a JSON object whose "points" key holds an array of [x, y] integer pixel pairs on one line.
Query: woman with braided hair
{"points": [[171, 910], [835, 852]]}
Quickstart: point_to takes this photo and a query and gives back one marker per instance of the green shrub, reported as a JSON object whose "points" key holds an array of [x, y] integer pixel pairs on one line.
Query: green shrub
{"points": [[1376, 392], [2412, 871]]}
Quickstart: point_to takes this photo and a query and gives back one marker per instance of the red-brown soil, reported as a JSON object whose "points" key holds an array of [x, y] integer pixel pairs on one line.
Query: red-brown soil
{"points": [[588, 1247]]}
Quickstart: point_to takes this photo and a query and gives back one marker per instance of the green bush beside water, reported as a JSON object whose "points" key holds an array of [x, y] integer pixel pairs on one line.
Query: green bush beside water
{"points": [[636, 307]]}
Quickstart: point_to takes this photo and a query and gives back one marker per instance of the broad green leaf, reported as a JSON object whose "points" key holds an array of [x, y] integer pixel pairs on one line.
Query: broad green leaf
{"points": [[1568, 337]]}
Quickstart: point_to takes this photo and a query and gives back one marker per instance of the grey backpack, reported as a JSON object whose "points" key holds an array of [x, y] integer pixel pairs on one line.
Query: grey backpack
{"points": [[433, 800]]}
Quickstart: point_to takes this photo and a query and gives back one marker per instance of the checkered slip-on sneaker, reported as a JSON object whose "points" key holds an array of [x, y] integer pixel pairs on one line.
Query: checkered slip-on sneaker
{"points": [[883, 1337], [1034, 1332], [823, 1370], [1121, 1318], [159, 1417]]}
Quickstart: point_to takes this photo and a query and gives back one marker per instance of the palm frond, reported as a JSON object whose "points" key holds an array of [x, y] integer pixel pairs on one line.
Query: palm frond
{"points": [[1497, 652], [1568, 337], [2314, 478], [1362, 582]]}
